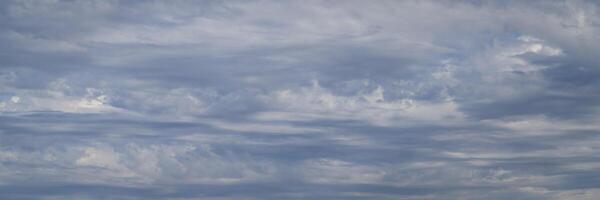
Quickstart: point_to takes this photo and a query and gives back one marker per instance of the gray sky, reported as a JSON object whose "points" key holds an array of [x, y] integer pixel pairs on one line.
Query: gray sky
{"points": [[299, 99]]}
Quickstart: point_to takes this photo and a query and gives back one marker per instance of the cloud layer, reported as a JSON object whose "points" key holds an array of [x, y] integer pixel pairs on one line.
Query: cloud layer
{"points": [[299, 99]]}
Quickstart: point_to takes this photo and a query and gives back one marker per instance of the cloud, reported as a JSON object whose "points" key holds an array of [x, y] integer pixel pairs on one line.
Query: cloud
{"points": [[299, 100]]}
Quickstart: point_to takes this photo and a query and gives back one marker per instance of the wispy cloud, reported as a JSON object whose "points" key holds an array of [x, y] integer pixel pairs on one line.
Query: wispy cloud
{"points": [[299, 99]]}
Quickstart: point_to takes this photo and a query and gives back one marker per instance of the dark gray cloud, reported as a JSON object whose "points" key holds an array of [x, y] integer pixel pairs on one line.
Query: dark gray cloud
{"points": [[299, 100]]}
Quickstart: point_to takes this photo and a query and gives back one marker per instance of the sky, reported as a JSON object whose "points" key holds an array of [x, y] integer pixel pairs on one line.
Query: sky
{"points": [[445, 99]]}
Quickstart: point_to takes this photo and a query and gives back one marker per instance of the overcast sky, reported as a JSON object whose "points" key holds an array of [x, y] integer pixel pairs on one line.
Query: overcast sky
{"points": [[299, 99]]}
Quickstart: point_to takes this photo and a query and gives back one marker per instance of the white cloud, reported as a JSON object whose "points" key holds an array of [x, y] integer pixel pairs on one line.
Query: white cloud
{"points": [[100, 157], [316, 101], [336, 171]]}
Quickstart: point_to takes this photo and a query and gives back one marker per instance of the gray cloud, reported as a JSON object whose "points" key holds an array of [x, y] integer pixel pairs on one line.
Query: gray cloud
{"points": [[299, 100]]}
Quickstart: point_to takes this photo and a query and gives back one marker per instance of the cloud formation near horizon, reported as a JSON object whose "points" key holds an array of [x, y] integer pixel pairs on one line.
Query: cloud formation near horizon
{"points": [[299, 99]]}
